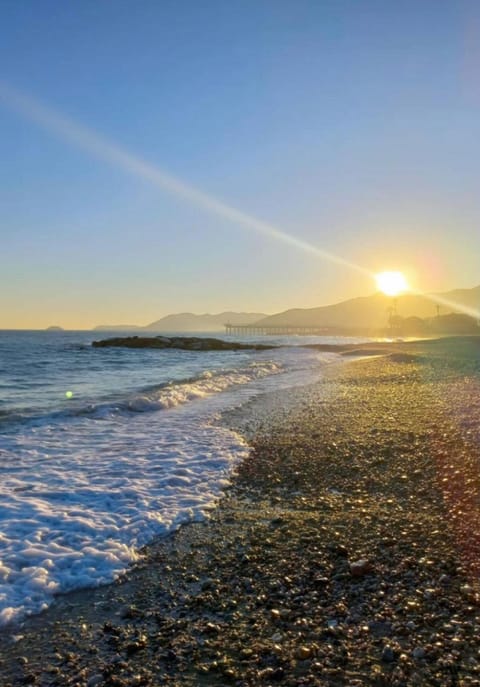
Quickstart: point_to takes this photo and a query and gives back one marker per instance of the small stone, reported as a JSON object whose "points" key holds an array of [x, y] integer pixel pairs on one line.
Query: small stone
{"points": [[211, 629], [303, 653], [229, 674], [341, 550], [277, 521], [418, 652], [388, 654], [275, 614], [95, 680], [278, 674], [129, 612], [360, 567], [429, 593], [138, 645]]}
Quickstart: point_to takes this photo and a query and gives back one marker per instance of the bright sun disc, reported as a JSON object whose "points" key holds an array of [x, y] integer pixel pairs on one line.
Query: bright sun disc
{"points": [[391, 283]]}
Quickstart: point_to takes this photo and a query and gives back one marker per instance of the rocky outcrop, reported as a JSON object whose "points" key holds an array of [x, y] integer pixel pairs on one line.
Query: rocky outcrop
{"points": [[188, 343]]}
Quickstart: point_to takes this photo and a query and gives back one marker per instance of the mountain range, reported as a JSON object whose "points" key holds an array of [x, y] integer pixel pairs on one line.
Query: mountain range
{"points": [[372, 312], [189, 322], [363, 313]]}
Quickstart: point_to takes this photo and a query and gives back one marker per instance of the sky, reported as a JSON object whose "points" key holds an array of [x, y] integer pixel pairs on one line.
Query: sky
{"points": [[250, 155]]}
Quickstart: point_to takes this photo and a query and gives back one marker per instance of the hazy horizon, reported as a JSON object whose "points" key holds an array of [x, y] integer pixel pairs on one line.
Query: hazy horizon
{"points": [[445, 305], [250, 157]]}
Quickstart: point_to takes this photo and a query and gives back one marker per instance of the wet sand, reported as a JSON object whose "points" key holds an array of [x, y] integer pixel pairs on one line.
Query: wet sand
{"points": [[346, 552]]}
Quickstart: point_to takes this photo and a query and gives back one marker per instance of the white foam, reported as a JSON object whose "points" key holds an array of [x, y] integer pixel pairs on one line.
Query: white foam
{"points": [[209, 383], [75, 511], [79, 495]]}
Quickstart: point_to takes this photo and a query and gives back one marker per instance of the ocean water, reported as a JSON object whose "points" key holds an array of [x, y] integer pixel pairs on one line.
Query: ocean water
{"points": [[103, 449]]}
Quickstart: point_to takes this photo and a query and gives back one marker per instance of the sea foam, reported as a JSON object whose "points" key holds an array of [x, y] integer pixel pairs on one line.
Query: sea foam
{"points": [[83, 488], [75, 512]]}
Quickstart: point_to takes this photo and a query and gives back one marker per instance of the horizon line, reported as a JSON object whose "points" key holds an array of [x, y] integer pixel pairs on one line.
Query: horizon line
{"points": [[434, 297]]}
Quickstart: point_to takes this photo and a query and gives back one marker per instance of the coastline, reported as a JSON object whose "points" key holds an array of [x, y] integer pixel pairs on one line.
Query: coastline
{"points": [[346, 550]]}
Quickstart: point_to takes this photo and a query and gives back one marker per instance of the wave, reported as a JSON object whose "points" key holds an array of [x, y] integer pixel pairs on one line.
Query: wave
{"points": [[150, 399], [171, 394], [84, 485]]}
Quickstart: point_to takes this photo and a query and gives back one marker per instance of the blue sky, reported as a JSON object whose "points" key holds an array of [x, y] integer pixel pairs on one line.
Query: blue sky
{"points": [[350, 125]]}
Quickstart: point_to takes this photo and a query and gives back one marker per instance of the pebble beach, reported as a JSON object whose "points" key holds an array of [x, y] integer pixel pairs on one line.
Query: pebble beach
{"points": [[345, 552]]}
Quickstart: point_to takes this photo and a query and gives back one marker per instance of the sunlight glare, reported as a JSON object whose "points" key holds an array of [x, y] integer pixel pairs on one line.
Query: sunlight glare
{"points": [[391, 283], [89, 141]]}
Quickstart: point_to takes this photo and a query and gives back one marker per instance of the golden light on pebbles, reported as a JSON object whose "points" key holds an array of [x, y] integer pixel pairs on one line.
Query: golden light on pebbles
{"points": [[304, 652], [275, 614]]}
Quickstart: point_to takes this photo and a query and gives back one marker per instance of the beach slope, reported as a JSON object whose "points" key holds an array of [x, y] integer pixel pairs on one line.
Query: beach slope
{"points": [[346, 552]]}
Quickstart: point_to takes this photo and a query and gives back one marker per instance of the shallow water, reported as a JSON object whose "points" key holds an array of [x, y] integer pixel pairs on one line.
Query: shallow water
{"points": [[103, 449]]}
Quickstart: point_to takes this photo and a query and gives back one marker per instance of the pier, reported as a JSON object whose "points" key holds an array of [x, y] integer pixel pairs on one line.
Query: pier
{"points": [[274, 330]]}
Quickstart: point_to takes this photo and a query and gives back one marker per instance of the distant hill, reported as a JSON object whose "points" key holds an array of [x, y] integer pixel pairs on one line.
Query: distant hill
{"points": [[188, 322], [365, 314], [371, 312]]}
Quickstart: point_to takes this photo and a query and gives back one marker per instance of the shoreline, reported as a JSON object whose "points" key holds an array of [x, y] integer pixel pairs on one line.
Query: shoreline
{"points": [[347, 548]]}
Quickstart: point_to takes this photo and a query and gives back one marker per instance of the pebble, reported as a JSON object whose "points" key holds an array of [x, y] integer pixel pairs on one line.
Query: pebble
{"points": [[275, 614], [388, 654], [304, 609], [361, 567], [303, 653]]}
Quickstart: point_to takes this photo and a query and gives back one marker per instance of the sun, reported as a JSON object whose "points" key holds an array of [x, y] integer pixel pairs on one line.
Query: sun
{"points": [[391, 283]]}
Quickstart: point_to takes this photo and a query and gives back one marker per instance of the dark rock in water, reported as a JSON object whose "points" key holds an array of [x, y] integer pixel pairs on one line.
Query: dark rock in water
{"points": [[188, 343]]}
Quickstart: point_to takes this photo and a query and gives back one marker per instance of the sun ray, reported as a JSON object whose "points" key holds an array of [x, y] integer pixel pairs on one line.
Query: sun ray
{"points": [[88, 140], [100, 147]]}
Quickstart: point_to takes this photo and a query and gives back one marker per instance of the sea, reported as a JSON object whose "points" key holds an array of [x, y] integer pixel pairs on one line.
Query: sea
{"points": [[104, 449]]}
